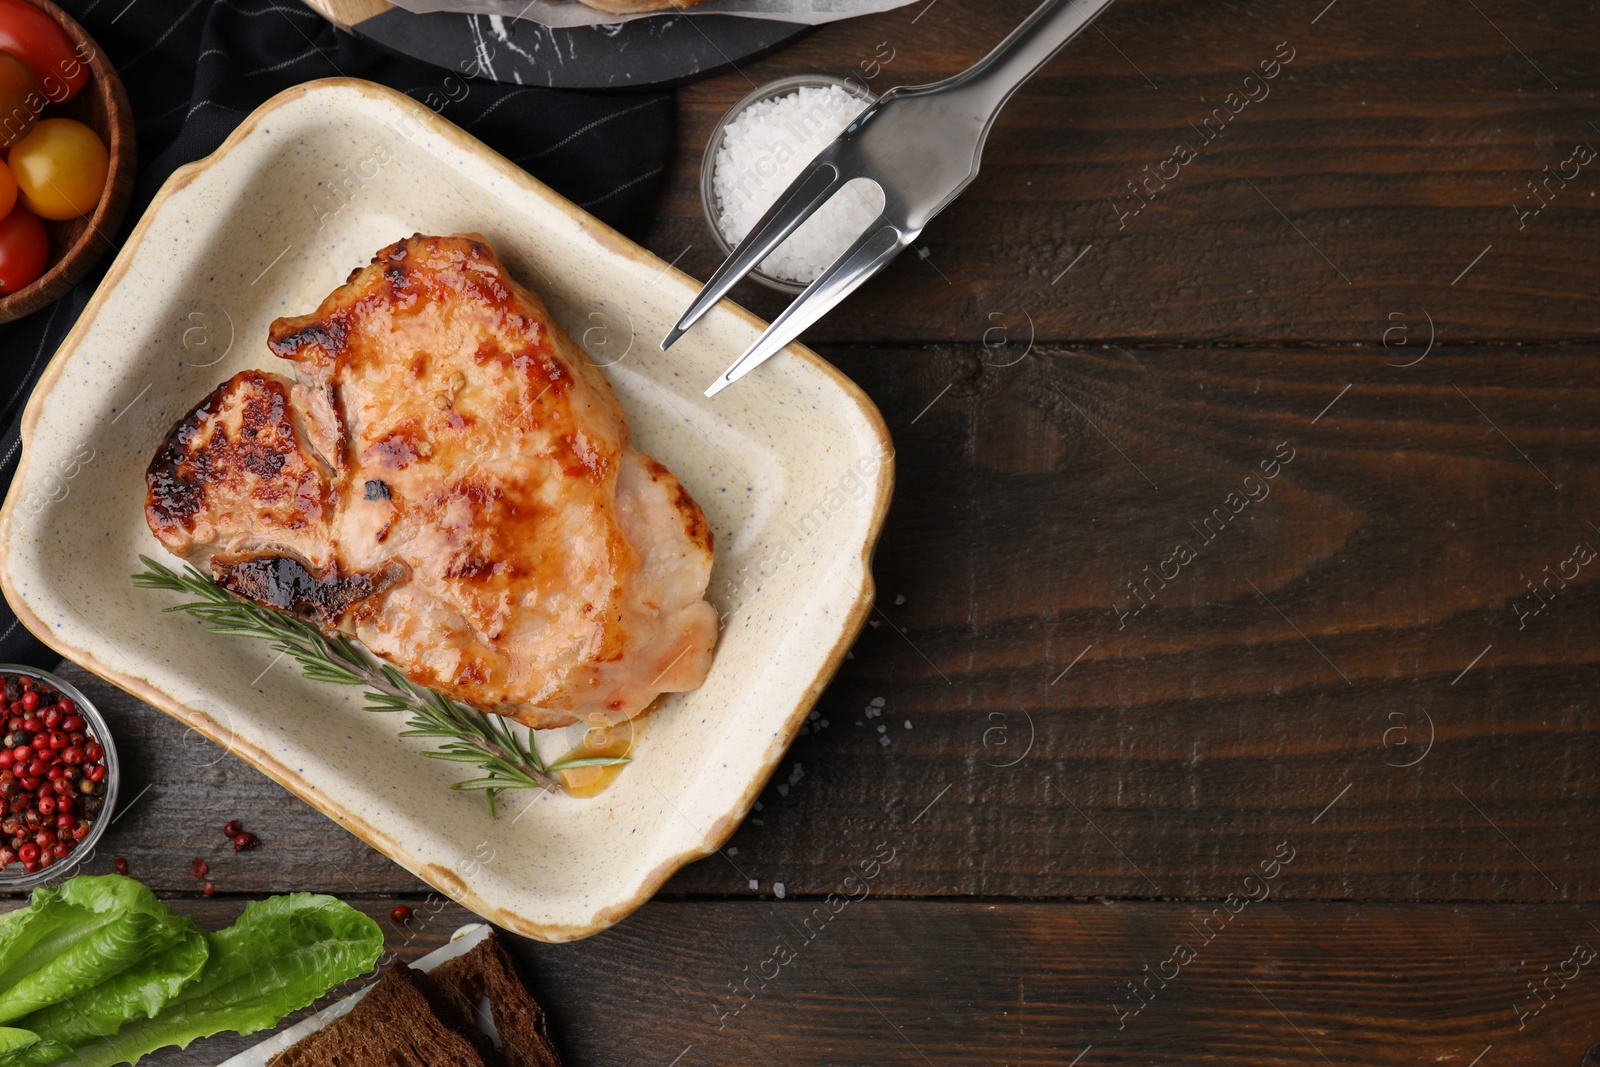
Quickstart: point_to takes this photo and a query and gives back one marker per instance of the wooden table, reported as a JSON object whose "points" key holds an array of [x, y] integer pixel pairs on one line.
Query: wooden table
{"points": [[1319, 786]]}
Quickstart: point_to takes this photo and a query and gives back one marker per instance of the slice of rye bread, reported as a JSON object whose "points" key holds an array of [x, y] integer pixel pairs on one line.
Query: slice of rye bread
{"points": [[487, 973], [403, 1022]]}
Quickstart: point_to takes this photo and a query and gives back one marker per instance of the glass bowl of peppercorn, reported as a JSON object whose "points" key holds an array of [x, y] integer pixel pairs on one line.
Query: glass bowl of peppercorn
{"points": [[58, 777]]}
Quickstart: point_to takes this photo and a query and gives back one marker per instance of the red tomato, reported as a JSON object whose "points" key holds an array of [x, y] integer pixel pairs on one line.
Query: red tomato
{"points": [[8, 191], [45, 47], [24, 249], [20, 102]]}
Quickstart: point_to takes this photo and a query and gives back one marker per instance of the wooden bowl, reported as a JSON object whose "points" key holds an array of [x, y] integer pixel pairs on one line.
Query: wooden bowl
{"points": [[77, 244]]}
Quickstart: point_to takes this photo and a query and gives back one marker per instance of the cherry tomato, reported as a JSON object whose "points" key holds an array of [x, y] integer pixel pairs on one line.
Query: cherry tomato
{"points": [[60, 168], [57, 65], [24, 249], [8, 191], [20, 102]]}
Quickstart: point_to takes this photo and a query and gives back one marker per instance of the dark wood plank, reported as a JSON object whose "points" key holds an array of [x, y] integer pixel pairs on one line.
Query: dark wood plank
{"points": [[1299, 663], [1386, 157], [889, 982], [1305, 651]]}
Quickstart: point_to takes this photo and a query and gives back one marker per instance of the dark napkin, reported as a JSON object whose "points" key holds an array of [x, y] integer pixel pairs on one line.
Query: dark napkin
{"points": [[194, 68]]}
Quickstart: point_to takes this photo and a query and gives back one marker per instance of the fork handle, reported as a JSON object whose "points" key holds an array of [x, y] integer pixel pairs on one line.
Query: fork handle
{"points": [[989, 83]]}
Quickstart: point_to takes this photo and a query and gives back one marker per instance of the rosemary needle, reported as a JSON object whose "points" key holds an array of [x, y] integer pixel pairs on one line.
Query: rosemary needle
{"points": [[464, 734]]}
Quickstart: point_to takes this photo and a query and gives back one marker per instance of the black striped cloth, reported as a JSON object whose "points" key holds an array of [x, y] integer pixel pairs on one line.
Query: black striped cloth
{"points": [[194, 68]]}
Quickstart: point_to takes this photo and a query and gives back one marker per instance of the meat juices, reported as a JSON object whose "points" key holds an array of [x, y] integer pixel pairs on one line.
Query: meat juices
{"points": [[449, 480]]}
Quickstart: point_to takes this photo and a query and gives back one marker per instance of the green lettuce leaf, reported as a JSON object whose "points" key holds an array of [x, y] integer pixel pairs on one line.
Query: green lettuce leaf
{"points": [[282, 954], [138, 992], [24, 1048], [9, 921], [75, 936]]}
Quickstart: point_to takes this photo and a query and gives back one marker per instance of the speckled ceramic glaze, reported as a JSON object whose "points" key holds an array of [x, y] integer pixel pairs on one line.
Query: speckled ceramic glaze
{"points": [[792, 466]]}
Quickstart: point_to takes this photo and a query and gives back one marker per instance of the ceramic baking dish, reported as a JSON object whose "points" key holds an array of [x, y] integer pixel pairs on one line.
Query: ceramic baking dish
{"points": [[793, 468]]}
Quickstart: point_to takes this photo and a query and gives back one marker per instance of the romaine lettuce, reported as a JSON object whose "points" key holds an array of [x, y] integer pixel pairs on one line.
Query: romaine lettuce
{"points": [[138, 992], [24, 1048], [282, 954], [77, 935]]}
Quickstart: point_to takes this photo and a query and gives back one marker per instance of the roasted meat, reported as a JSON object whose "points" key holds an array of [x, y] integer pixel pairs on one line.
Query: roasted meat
{"points": [[449, 480]]}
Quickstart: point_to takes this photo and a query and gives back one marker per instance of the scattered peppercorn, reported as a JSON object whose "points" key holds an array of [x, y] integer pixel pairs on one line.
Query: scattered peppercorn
{"points": [[120, 864], [201, 867], [244, 841], [400, 915], [232, 828], [209, 889]]}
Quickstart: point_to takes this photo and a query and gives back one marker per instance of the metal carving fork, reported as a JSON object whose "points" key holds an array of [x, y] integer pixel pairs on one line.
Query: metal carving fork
{"points": [[921, 145]]}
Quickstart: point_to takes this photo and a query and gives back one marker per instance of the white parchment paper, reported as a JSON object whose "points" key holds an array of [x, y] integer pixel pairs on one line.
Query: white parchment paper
{"points": [[564, 13]]}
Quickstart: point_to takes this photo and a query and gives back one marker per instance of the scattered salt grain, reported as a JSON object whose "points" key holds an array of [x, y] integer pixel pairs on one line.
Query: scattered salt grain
{"points": [[763, 149]]}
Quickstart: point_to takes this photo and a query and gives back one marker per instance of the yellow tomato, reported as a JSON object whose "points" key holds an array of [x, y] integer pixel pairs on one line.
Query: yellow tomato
{"points": [[8, 191], [60, 168]]}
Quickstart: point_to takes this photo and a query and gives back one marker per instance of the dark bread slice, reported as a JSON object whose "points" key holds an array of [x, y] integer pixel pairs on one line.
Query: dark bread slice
{"points": [[486, 972], [403, 1022]]}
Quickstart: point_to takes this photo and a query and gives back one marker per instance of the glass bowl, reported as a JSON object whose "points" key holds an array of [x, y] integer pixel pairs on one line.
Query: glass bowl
{"points": [[14, 877], [708, 164]]}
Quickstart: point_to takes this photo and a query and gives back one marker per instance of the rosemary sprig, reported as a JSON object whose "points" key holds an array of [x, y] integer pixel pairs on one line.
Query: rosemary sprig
{"points": [[467, 735]]}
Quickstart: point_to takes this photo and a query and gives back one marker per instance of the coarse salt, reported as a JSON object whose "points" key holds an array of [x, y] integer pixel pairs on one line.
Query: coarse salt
{"points": [[763, 149]]}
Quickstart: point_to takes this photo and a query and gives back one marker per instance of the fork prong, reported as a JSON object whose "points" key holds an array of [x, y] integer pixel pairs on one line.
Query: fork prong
{"points": [[798, 202], [871, 253]]}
